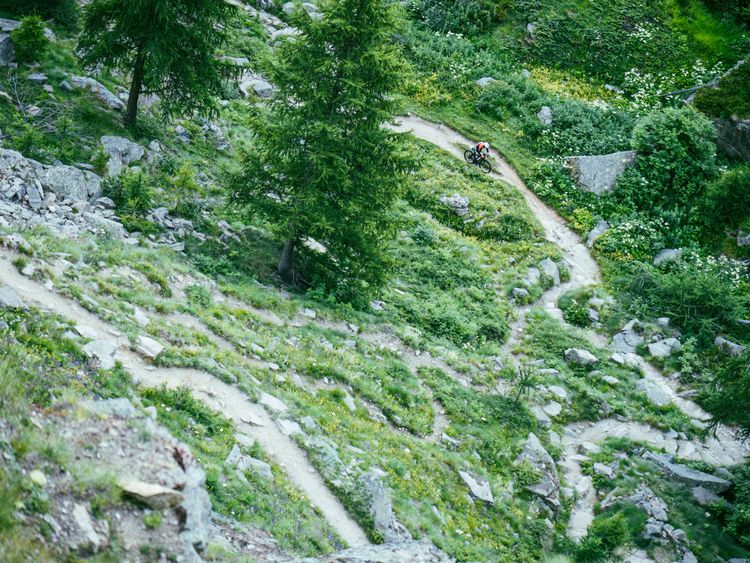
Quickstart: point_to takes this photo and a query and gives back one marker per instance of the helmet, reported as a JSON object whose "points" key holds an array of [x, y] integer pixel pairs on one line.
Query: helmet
{"points": [[487, 146]]}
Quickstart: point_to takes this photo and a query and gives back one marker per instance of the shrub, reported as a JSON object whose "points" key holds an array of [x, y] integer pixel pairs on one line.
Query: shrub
{"points": [[575, 307], [677, 157], [637, 239], [29, 40], [64, 12], [605, 535], [731, 98], [738, 523], [728, 200], [468, 17], [133, 197], [727, 401]]}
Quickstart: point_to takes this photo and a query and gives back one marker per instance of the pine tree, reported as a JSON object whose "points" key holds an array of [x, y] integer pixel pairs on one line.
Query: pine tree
{"points": [[168, 46], [324, 167]]}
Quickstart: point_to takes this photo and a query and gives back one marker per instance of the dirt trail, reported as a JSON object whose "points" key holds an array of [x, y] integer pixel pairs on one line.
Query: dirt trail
{"points": [[250, 418], [724, 449]]}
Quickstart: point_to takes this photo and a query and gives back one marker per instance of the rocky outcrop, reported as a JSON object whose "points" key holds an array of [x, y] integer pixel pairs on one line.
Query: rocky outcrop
{"points": [[548, 486], [381, 510], [627, 340], [729, 347], [479, 487], [397, 552], [734, 137], [122, 153], [687, 475], [599, 229], [581, 357], [599, 174], [457, 204], [101, 91]]}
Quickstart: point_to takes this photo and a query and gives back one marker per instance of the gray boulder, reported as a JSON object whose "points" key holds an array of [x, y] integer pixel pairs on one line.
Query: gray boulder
{"points": [[101, 91], [381, 510], [257, 87], [654, 392], [704, 497], [646, 499], [70, 183], [729, 347], [545, 116], [733, 137], [627, 340], [548, 486], [600, 228], [119, 408], [743, 239], [457, 203], [479, 487], [664, 348], [122, 153], [9, 299], [550, 270], [102, 350], [148, 347], [485, 81], [7, 51], [685, 474], [579, 356], [599, 174], [667, 255], [532, 277]]}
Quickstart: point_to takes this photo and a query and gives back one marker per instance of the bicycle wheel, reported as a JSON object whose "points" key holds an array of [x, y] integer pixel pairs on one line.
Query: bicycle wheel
{"points": [[485, 166], [469, 156]]}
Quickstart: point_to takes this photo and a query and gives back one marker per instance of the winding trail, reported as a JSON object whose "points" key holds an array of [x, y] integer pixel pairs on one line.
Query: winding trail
{"points": [[248, 417], [725, 449]]}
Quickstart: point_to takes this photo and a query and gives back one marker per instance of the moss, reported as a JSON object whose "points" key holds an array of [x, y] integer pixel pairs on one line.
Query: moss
{"points": [[730, 99]]}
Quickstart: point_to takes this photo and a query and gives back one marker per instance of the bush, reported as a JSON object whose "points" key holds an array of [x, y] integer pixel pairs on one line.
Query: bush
{"points": [[636, 239], [677, 158], [605, 535], [64, 12], [728, 200], [29, 40], [468, 17], [738, 523], [730, 99], [133, 197]]}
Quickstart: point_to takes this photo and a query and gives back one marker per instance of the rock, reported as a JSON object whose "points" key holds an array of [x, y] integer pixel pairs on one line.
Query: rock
{"points": [[141, 318], [67, 86], [729, 347], [457, 203], [120, 408], [284, 34], [627, 340], [532, 277], [7, 51], [148, 347], [38, 478], [183, 135], [552, 409], [599, 174], [646, 499], [392, 552], [664, 348], [37, 78], [654, 392], [667, 255], [288, 427], [545, 116], [610, 380], [102, 225], [556, 390], [90, 540], [235, 61], [9, 299], [548, 486], [550, 270], [598, 230], [246, 463], [122, 153], [485, 81], [605, 470], [258, 87], [479, 488], [70, 183], [84, 82], [381, 510], [734, 137], [690, 477], [349, 402], [273, 403], [743, 239], [581, 357], [103, 350], [520, 294], [153, 496], [704, 497]]}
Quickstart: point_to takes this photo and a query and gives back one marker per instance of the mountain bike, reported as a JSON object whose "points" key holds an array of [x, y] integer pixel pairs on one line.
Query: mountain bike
{"points": [[473, 157]]}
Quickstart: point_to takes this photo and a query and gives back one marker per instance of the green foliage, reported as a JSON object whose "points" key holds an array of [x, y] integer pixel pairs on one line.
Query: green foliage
{"points": [[727, 400], [324, 168], [738, 522], [168, 46], [133, 196], [727, 203], [702, 298], [523, 379], [469, 17], [639, 238], [605, 535], [198, 295], [730, 99], [64, 12], [677, 158], [29, 40], [575, 307]]}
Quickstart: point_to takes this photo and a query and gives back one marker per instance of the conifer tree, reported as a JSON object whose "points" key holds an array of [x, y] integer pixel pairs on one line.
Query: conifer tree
{"points": [[168, 46], [324, 167]]}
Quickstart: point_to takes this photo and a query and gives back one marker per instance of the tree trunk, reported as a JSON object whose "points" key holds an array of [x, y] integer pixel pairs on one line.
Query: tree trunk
{"points": [[285, 269], [135, 88]]}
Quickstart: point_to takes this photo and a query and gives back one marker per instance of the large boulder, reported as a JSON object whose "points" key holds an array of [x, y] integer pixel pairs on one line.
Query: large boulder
{"points": [[627, 340], [258, 87], [7, 51], [687, 475], [579, 356], [381, 510], [599, 229], [729, 347], [9, 299], [70, 183], [599, 174], [733, 137], [548, 486], [122, 153], [479, 487], [654, 392], [101, 91]]}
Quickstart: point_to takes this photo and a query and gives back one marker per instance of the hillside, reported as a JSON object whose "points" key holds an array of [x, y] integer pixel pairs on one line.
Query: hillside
{"points": [[267, 311]]}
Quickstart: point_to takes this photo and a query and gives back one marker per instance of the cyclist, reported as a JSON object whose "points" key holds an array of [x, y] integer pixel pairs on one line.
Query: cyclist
{"points": [[482, 149]]}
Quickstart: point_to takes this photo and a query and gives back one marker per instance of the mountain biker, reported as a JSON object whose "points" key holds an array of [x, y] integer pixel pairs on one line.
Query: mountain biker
{"points": [[483, 149]]}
